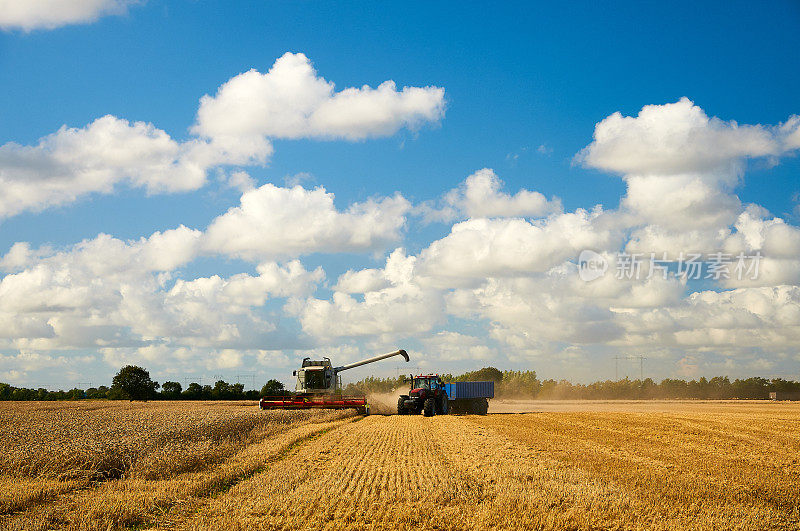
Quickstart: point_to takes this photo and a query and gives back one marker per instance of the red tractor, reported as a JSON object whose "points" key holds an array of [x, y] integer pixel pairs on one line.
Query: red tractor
{"points": [[427, 396], [430, 396]]}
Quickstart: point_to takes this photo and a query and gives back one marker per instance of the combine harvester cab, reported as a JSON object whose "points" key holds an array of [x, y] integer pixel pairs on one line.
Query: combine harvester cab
{"points": [[430, 396], [320, 386]]}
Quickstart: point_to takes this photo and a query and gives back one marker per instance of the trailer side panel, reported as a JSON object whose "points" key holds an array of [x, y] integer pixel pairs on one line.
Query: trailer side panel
{"points": [[468, 390]]}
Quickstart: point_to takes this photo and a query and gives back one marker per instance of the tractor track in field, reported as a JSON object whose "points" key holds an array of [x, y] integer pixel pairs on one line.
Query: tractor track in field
{"points": [[172, 518], [542, 471], [464, 472], [382, 473], [370, 466], [178, 498]]}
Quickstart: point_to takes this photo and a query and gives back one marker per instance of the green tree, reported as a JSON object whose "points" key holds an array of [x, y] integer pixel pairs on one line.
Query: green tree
{"points": [[221, 391], [482, 375], [237, 391], [193, 392], [171, 390], [134, 383], [272, 388]]}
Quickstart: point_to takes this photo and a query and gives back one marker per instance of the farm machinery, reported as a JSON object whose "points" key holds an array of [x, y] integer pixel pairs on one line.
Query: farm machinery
{"points": [[430, 396], [319, 386]]}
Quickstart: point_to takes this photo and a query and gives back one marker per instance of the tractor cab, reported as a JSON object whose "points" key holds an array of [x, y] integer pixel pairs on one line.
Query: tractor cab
{"points": [[428, 383]]}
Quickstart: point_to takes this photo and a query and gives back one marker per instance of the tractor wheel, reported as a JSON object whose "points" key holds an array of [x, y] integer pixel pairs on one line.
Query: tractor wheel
{"points": [[401, 406], [475, 407], [429, 407], [442, 408], [484, 406]]}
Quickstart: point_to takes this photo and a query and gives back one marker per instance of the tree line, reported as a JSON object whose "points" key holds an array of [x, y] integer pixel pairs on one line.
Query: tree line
{"points": [[525, 384], [134, 383]]}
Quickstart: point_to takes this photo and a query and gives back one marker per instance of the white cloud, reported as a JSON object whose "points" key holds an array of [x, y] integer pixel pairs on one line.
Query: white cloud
{"points": [[362, 281], [774, 237], [453, 346], [278, 222], [226, 359], [399, 307], [681, 202], [240, 292], [113, 294], [679, 138], [235, 128], [480, 248], [241, 181], [74, 162], [48, 14], [291, 101], [480, 196], [510, 280], [681, 168]]}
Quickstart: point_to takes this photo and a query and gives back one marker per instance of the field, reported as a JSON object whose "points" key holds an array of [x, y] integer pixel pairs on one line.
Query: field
{"points": [[573, 465]]}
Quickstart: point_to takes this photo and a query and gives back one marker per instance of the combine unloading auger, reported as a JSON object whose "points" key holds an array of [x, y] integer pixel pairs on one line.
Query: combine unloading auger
{"points": [[320, 386]]}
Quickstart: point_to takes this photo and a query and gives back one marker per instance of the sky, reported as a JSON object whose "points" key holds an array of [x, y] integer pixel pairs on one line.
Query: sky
{"points": [[218, 189]]}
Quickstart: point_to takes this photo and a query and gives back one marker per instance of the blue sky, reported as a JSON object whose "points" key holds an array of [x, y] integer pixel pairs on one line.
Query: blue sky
{"points": [[524, 87]]}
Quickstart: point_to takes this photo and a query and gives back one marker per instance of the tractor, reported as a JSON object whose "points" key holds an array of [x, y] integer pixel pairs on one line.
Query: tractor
{"points": [[430, 396], [427, 396]]}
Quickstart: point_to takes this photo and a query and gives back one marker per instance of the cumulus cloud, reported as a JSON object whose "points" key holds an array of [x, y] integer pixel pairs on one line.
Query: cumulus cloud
{"points": [[73, 162], [743, 318], [679, 138], [397, 306], [480, 195], [48, 14], [518, 276], [502, 282], [681, 168], [480, 248], [454, 346], [233, 128], [292, 101], [108, 293], [277, 222], [362, 281]]}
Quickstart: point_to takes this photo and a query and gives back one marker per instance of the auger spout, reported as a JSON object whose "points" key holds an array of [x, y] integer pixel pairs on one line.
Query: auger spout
{"points": [[400, 352]]}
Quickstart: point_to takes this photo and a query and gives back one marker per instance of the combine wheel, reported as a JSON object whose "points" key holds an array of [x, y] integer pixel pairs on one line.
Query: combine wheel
{"points": [[429, 407], [401, 406]]}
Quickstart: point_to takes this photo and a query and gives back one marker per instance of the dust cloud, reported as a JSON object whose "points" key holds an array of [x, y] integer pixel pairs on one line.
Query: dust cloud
{"points": [[384, 403]]}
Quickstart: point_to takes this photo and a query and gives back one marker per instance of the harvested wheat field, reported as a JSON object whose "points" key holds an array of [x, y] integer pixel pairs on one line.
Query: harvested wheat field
{"points": [[631, 465]]}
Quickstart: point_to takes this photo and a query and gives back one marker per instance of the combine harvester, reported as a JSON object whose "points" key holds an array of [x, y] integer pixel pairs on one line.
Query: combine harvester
{"points": [[320, 386]]}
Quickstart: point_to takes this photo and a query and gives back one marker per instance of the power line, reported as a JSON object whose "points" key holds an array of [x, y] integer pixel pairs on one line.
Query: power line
{"points": [[641, 365]]}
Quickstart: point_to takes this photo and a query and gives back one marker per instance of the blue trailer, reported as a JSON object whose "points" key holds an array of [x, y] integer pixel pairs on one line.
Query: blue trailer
{"points": [[430, 396], [469, 397]]}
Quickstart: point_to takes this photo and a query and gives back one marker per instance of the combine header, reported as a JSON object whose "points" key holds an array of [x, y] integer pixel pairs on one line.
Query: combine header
{"points": [[320, 386]]}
